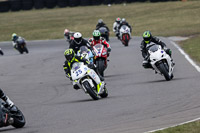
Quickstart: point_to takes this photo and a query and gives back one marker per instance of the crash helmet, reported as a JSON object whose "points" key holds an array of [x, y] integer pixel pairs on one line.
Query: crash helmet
{"points": [[96, 35], [14, 36], [78, 37], [66, 32], [69, 55], [123, 21], [118, 20], [147, 36], [100, 21]]}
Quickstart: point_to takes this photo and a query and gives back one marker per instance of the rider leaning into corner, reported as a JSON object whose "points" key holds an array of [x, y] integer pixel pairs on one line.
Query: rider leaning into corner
{"points": [[124, 22], [147, 39], [68, 35], [79, 41], [71, 58], [116, 27], [15, 37], [96, 39], [101, 24]]}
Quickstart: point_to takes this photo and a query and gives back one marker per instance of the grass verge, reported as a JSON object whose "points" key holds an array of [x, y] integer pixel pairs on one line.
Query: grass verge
{"points": [[162, 18], [192, 47], [193, 127]]}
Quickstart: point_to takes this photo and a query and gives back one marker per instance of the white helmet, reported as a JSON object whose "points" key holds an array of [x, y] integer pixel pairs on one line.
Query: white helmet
{"points": [[78, 37]]}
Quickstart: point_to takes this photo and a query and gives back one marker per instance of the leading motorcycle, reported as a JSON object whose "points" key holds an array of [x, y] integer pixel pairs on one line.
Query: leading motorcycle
{"points": [[85, 78], [11, 116], [160, 61], [104, 33], [125, 35], [21, 45]]}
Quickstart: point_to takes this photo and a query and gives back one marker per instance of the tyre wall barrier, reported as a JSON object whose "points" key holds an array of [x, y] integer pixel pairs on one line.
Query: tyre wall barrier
{"points": [[27, 4], [62, 3], [4, 6], [38, 4], [16, 5], [85, 2], [50, 3]]}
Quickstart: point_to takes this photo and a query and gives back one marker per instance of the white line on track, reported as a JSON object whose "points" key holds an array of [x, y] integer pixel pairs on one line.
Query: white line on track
{"points": [[186, 56], [198, 69]]}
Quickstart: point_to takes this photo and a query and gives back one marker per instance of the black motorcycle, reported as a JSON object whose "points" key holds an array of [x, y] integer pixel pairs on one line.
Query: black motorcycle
{"points": [[21, 45], [104, 33], [11, 116]]}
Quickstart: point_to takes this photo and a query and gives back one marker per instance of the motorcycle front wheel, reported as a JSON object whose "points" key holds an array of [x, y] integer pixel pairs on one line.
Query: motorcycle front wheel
{"points": [[100, 66], [164, 70], [90, 91], [19, 119]]}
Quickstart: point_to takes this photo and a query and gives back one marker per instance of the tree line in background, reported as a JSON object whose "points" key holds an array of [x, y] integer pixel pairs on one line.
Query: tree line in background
{"points": [[17, 5]]}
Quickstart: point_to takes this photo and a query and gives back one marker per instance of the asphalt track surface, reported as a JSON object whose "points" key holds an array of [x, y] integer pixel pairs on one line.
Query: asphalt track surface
{"points": [[139, 100]]}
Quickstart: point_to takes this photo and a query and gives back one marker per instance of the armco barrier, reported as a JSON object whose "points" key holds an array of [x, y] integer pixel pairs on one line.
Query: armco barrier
{"points": [[4, 6]]}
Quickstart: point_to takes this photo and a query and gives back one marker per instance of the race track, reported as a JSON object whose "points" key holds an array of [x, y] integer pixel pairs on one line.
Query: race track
{"points": [[138, 100]]}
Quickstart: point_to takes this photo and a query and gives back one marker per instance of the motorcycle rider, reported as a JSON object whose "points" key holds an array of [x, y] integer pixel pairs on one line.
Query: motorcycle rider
{"points": [[68, 35], [124, 22], [96, 39], [15, 37], [88, 51], [71, 58], [6, 98], [116, 27], [101, 24], [147, 39], [78, 41]]}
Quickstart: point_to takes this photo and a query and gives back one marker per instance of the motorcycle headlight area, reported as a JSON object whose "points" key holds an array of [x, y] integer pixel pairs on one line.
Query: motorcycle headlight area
{"points": [[104, 53]]}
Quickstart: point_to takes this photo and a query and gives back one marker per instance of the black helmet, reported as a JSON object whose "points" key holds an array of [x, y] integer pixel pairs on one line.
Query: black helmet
{"points": [[78, 37], [147, 36], [69, 54]]}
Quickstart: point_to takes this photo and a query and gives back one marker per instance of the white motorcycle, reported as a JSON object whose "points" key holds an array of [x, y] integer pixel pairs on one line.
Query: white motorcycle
{"points": [[161, 61], [85, 78], [125, 35]]}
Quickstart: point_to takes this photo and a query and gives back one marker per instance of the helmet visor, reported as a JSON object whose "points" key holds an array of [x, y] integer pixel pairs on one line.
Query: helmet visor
{"points": [[69, 57], [78, 40], [96, 38]]}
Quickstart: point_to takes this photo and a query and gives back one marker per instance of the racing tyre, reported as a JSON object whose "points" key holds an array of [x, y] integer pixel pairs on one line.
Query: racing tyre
{"points": [[164, 70], [26, 50], [19, 119], [125, 39], [90, 91], [1, 52], [100, 66], [104, 94]]}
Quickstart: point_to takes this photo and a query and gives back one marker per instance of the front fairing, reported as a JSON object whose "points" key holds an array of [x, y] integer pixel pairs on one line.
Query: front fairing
{"points": [[78, 70]]}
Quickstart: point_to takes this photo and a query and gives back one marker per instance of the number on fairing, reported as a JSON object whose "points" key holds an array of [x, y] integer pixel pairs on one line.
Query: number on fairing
{"points": [[78, 72]]}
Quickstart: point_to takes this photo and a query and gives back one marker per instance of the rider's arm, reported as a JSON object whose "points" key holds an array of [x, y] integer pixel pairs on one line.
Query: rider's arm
{"points": [[67, 69], [158, 41], [143, 49]]}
